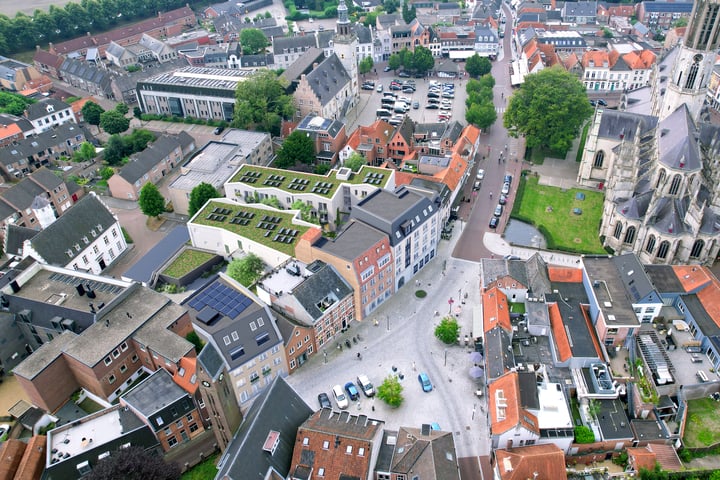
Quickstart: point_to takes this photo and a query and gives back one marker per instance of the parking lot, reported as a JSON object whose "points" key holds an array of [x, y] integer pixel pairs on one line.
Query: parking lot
{"points": [[370, 100]]}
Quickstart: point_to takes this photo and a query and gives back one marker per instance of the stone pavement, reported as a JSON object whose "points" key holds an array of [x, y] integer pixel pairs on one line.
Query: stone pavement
{"points": [[497, 244]]}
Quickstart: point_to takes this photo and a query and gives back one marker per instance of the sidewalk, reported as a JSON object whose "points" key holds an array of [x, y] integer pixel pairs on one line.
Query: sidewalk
{"points": [[497, 244]]}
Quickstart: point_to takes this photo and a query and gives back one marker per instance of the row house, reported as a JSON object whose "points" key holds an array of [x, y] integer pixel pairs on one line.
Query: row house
{"points": [[244, 332], [456, 42], [365, 42], [605, 12], [370, 141], [383, 30], [286, 50], [150, 165], [16, 76], [662, 15], [535, 461], [146, 50], [44, 149], [327, 195], [612, 71], [402, 144], [315, 302], [87, 77], [102, 350], [166, 24], [486, 42], [410, 450], [580, 13], [328, 135], [14, 129], [222, 55], [49, 113], [47, 63], [87, 237]]}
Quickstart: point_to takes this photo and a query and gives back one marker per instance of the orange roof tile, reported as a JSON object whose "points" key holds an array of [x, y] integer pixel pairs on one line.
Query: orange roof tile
{"points": [[643, 59], [693, 277], [545, 461], [11, 453], [599, 58], [666, 456], [78, 104], [565, 274], [33, 461], [504, 406], [496, 311], [10, 130], [642, 458], [188, 380], [710, 299], [559, 334], [591, 329]]}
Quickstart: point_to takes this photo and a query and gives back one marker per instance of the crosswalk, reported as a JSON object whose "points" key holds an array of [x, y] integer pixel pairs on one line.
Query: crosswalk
{"points": [[499, 109]]}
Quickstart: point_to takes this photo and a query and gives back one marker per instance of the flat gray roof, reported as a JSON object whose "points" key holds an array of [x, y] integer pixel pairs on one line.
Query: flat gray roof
{"points": [[356, 238], [613, 298]]}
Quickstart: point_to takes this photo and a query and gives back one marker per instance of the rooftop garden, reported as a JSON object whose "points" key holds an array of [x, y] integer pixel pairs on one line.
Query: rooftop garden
{"points": [[186, 262], [271, 228], [301, 182]]}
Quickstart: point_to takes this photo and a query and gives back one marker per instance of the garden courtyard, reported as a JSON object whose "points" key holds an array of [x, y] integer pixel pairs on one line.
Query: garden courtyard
{"points": [[702, 428], [568, 218]]}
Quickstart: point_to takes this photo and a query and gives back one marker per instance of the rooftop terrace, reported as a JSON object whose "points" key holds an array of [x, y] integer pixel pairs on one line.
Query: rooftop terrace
{"points": [[272, 228], [299, 182]]}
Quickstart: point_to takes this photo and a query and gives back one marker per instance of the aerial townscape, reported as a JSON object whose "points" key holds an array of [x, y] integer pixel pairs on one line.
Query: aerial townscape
{"points": [[360, 240]]}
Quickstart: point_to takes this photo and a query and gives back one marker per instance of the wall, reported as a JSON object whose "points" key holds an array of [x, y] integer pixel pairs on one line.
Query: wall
{"points": [[52, 387]]}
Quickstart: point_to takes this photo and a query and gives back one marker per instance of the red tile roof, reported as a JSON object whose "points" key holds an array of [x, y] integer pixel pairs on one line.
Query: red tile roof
{"points": [[641, 458], [496, 311], [565, 274], [9, 130], [642, 60], [666, 456], [11, 453], [188, 380], [693, 277], [33, 461], [543, 462], [600, 58], [504, 406], [559, 333]]}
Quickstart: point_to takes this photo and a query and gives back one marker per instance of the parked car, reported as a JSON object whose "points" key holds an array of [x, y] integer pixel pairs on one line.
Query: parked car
{"points": [[508, 179], [494, 222], [218, 130], [366, 86], [480, 174], [498, 210], [386, 69], [365, 385], [324, 400], [434, 100], [502, 200], [601, 102], [352, 391], [425, 382], [432, 106], [340, 398], [505, 188], [477, 185], [381, 112], [416, 105], [404, 74], [380, 88], [408, 90], [445, 107], [433, 95], [395, 86]]}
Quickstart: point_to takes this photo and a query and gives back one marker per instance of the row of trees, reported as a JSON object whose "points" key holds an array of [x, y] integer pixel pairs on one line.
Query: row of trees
{"points": [[23, 32], [112, 121], [479, 106], [119, 147], [419, 60]]}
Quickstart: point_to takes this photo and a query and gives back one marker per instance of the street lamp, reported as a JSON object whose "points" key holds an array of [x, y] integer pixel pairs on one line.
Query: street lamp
{"points": [[388, 322], [445, 357], [324, 356]]}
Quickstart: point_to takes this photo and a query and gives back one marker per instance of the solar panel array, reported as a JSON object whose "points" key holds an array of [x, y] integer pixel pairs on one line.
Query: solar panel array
{"points": [[374, 178], [222, 298], [323, 188], [250, 177], [298, 184], [95, 286], [285, 235]]}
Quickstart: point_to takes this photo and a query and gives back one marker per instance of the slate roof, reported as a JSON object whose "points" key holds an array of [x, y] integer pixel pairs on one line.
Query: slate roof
{"points": [[31, 146], [325, 282], [88, 72], [244, 456], [614, 123], [143, 269], [663, 278], [282, 45], [154, 393], [115, 50], [303, 64], [363, 33], [144, 161], [15, 236], [355, 239], [433, 453], [327, 79], [678, 147], [39, 109], [53, 243]]}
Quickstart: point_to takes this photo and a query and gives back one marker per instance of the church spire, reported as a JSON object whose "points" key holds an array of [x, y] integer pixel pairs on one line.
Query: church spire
{"points": [[343, 22]]}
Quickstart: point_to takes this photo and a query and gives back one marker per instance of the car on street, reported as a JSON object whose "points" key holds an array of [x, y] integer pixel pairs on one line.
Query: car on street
{"points": [[432, 106], [365, 385], [416, 105], [507, 179], [425, 382], [386, 69], [340, 398], [498, 210], [601, 102], [477, 185], [502, 200], [324, 400], [593, 103], [480, 174], [352, 391], [404, 75], [218, 130], [505, 188], [380, 88], [494, 222], [366, 86]]}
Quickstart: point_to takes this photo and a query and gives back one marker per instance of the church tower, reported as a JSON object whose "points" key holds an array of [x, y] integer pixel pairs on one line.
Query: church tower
{"points": [[345, 46], [693, 63]]}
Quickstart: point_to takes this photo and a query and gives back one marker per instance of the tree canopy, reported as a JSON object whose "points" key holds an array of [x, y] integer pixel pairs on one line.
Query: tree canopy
{"points": [[483, 115], [297, 148], [246, 270], [261, 102], [151, 202], [13, 103], [477, 66], [199, 195], [366, 64], [394, 61], [390, 391], [548, 109], [447, 330], [118, 147], [114, 122], [408, 12], [134, 463], [91, 113], [253, 41], [355, 161]]}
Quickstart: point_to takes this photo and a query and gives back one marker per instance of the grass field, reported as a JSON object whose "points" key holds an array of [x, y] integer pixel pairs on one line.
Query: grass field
{"points": [[203, 470], [550, 209], [702, 428]]}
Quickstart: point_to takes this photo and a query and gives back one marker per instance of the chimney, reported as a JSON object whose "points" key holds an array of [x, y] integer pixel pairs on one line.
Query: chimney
{"points": [[80, 289]]}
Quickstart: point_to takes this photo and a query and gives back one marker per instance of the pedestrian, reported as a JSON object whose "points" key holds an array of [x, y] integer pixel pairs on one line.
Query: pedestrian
{"points": [[490, 195], [413, 366]]}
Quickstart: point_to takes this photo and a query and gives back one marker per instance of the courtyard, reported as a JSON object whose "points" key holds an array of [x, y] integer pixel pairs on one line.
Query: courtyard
{"points": [[568, 218], [702, 428]]}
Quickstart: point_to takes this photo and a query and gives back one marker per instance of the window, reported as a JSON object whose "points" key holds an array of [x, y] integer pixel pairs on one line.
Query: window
{"points": [[697, 248], [123, 346], [123, 368], [663, 250], [260, 322], [179, 423], [134, 358], [326, 445], [630, 235], [84, 468], [321, 472], [172, 441], [612, 331], [348, 450], [306, 441], [650, 244], [599, 158], [618, 230], [108, 360], [116, 353], [111, 379], [675, 185], [226, 339], [361, 452]]}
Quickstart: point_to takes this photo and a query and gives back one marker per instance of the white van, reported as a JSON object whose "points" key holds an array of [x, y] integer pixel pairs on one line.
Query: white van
{"points": [[400, 107], [365, 385]]}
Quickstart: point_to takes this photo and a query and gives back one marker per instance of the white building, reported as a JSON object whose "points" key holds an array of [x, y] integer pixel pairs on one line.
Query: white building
{"points": [[48, 113]]}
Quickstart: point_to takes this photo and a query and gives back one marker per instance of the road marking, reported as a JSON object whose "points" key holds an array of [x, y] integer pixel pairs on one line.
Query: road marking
{"points": [[499, 109]]}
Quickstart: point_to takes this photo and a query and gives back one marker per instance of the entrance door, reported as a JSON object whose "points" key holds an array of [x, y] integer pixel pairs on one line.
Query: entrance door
{"points": [[101, 262]]}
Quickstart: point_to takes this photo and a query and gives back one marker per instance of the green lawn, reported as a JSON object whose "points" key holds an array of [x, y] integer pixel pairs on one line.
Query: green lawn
{"points": [[186, 262], [702, 428], [550, 209], [203, 470]]}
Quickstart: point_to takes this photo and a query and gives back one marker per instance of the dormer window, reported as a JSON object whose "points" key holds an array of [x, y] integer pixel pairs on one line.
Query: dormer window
{"points": [[85, 240], [77, 247], [93, 233], [50, 109], [69, 253]]}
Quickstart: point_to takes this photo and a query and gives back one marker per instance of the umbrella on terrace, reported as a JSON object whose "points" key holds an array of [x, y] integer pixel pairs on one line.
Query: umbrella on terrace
{"points": [[476, 372], [476, 357]]}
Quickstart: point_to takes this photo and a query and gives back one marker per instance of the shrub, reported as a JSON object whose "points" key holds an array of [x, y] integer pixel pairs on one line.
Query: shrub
{"points": [[420, 293], [447, 330], [390, 391], [584, 435]]}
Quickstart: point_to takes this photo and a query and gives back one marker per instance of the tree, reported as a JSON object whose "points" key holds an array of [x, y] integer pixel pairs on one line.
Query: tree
{"points": [[297, 148], [422, 59], [86, 152], [447, 330], [583, 434], [482, 115], [409, 13], [355, 161], [114, 122], [137, 112], [194, 338], [151, 202], [261, 102], [122, 108], [246, 270], [305, 211], [390, 391], [394, 61], [390, 6], [477, 66], [134, 463], [683, 22], [253, 41], [548, 109], [607, 33], [594, 408], [366, 64], [91, 113], [199, 195], [106, 173], [114, 150]]}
